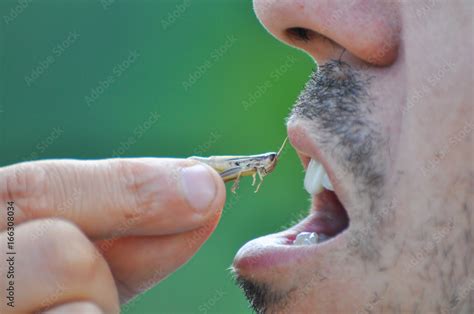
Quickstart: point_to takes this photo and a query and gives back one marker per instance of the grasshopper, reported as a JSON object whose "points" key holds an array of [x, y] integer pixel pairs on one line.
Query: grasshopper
{"points": [[232, 168]]}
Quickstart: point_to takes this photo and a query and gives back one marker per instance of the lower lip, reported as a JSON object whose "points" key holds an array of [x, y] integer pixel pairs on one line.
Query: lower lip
{"points": [[277, 251]]}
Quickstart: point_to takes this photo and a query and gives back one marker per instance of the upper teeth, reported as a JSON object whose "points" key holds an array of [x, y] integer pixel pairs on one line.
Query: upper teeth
{"points": [[316, 178], [326, 182]]}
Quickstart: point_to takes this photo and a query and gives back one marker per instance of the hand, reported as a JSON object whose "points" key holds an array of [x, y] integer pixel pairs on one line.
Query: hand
{"points": [[91, 234]]}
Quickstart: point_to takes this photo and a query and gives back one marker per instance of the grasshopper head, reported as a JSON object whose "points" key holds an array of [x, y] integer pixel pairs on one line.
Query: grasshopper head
{"points": [[272, 158]]}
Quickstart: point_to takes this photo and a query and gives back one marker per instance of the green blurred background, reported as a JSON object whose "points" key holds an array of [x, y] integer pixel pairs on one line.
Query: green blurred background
{"points": [[101, 79]]}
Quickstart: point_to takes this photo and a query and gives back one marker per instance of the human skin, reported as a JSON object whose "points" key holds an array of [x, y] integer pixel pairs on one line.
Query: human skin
{"points": [[91, 234], [408, 247], [390, 117]]}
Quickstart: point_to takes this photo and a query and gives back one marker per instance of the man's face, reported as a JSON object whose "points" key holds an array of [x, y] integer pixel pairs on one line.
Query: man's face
{"points": [[388, 120]]}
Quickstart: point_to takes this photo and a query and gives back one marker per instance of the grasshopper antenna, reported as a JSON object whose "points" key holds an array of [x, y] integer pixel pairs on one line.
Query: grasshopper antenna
{"points": [[282, 146]]}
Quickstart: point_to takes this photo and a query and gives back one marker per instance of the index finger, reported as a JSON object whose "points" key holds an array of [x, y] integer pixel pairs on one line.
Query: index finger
{"points": [[114, 197]]}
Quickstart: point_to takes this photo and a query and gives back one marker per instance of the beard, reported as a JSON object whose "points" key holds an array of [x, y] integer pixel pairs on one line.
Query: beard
{"points": [[337, 106]]}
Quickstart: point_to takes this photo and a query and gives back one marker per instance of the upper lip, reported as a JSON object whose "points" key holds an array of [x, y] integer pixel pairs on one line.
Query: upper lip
{"points": [[307, 148]]}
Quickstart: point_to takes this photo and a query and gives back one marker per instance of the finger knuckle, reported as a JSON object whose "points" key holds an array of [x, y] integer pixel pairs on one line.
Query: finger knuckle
{"points": [[136, 197], [70, 253], [26, 184]]}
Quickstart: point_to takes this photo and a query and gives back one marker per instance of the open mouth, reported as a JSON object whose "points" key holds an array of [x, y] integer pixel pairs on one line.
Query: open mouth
{"points": [[322, 230], [328, 217]]}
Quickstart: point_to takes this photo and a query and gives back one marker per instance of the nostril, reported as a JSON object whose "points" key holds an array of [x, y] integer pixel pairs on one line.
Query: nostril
{"points": [[369, 30], [306, 35], [299, 33]]}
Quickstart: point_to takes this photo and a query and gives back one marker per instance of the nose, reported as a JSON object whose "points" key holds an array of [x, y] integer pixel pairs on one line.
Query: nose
{"points": [[368, 29]]}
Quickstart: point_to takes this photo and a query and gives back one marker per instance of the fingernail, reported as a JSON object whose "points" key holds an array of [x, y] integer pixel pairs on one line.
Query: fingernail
{"points": [[199, 186]]}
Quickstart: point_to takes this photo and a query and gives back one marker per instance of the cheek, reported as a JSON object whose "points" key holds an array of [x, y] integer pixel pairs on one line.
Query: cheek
{"points": [[388, 89]]}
